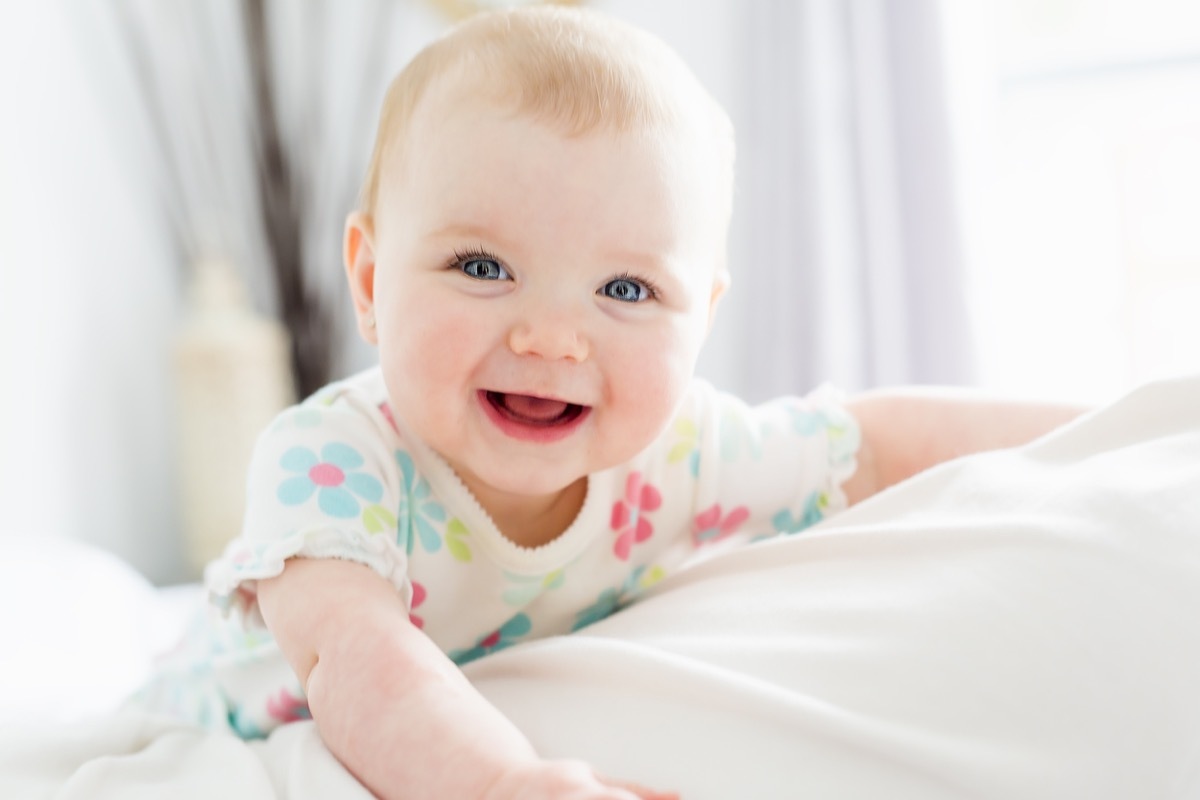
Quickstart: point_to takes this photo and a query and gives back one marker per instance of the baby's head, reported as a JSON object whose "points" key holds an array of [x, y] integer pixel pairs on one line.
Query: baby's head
{"points": [[576, 71], [541, 244]]}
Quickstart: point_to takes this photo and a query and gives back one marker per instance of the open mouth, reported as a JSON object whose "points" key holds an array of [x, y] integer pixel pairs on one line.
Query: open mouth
{"points": [[529, 417]]}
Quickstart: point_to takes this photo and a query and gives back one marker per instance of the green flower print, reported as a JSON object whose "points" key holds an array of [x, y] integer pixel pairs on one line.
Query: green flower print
{"points": [[417, 508], [457, 540], [523, 589], [688, 445]]}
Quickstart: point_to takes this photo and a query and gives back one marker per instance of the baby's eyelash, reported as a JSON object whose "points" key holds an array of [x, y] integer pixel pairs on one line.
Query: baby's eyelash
{"points": [[651, 287], [469, 254]]}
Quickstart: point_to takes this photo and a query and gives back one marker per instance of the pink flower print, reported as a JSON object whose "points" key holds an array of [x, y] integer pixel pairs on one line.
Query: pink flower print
{"points": [[627, 515], [710, 527], [506, 635], [333, 476], [245, 597], [287, 707], [417, 598], [386, 410]]}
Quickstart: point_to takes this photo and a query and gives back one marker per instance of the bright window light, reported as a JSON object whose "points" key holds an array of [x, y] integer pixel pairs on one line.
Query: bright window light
{"points": [[1081, 128]]}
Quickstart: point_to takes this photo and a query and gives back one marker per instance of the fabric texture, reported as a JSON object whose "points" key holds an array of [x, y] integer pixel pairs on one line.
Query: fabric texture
{"points": [[1018, 624], [340, 477]]}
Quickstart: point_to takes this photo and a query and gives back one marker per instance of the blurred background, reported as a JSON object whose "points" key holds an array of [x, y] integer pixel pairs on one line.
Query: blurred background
{"points": [[1002, 194]]}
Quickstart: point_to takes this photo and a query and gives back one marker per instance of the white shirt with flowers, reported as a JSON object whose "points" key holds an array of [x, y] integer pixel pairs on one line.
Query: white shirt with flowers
{"points": [[338, 477]]}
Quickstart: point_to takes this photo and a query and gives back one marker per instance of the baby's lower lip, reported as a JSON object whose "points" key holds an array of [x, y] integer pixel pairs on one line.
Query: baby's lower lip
{"points": [[530, 430]]}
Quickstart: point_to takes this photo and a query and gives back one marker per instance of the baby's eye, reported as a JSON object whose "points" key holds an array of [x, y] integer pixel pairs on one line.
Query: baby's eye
{"points": [[627, 290], [483, 269]]}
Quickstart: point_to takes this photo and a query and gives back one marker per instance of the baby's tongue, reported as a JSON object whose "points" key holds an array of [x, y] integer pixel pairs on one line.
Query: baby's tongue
{"points": [[535, 409]]}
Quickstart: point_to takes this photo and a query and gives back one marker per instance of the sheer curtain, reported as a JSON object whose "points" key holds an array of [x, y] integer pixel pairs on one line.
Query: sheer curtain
{"points": [[846, 255], [131, 152], [250, 121]]}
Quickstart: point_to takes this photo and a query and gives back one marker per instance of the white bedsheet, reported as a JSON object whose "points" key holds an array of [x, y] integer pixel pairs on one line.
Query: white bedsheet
{"points": [[1021, 624]]}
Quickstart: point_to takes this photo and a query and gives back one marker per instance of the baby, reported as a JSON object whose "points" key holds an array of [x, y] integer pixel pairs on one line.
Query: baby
{"points": [[538, 256]]}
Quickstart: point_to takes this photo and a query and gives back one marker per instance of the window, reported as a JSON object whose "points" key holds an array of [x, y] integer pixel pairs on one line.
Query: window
{"points": [[1081, 126]]}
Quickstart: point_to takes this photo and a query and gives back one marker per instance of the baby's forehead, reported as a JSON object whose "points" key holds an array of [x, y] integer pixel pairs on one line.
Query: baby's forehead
{"points": [[575, 73], [455, 131], [629, 100]]}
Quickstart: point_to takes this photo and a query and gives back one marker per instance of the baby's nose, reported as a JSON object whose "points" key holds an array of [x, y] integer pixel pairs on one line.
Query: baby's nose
{"points": [[552, 335]]}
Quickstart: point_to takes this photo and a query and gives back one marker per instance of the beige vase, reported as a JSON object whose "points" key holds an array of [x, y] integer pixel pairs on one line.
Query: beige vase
{"points": [[233, 377]]}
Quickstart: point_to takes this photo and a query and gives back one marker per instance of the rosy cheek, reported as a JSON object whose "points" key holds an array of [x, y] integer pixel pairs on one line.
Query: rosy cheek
{"points": [[436, 368], [452, 343], [646, 382]]}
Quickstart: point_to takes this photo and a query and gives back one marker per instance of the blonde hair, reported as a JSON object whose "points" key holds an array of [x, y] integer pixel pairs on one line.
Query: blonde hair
{"points": [[573, 68]]}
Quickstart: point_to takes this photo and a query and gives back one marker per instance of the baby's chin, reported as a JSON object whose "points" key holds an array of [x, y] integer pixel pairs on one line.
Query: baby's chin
{"points": [[517, 480], [530, 485]]}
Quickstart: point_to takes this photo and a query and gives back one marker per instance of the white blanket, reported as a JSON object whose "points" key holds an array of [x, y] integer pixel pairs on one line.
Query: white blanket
{"points": [[1021, 624]]}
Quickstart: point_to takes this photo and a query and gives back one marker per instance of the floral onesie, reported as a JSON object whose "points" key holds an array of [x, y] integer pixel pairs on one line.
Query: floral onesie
{"points": [[338, 476]]}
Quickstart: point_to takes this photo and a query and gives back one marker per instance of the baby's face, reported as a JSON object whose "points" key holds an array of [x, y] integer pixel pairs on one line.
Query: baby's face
{"points": [[540, 299]]}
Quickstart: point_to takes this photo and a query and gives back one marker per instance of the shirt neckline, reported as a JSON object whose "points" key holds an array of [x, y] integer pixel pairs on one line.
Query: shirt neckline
{"points": [[589, 522]]}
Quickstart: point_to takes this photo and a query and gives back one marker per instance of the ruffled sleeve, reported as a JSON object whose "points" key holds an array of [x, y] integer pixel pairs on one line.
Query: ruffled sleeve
{"points": [[322, 483]]}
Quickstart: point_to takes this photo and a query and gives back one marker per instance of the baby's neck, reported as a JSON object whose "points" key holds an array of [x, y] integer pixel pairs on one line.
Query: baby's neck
{"points": [[531, 521]]}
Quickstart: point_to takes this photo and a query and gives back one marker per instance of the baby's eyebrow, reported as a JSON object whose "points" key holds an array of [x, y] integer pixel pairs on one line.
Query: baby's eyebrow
{"points": [[637, 261], [669, 273], [468, 230]]}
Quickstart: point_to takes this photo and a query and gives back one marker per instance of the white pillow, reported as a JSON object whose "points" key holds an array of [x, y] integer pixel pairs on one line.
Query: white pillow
{"points": [[79, 629]]}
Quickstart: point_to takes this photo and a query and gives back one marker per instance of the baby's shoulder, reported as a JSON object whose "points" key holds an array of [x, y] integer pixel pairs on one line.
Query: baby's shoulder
{"points": [[353, 409], [706, 409]]}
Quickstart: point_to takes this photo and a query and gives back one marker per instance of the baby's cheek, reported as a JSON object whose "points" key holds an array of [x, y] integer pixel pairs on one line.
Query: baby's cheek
{"points": [[437, 347], [648, 393]]}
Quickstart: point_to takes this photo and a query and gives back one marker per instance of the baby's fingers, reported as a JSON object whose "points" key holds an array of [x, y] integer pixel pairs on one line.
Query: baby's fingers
{"points": [[641, 791]]}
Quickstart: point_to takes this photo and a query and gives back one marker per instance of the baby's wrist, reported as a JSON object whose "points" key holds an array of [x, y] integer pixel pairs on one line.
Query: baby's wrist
{"points": [[538, 778]]}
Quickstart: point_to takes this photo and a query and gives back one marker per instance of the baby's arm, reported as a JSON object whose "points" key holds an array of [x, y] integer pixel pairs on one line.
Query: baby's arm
{"points": [[905, 431], [392, 707]]}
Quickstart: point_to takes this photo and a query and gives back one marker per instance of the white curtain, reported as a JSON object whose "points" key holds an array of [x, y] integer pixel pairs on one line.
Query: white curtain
{"points": [[846, 255], [128, 154], [250, 121]]}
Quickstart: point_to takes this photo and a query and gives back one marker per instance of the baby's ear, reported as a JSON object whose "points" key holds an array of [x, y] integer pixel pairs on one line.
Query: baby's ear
{"points": [[358, 254], [720, 285]]}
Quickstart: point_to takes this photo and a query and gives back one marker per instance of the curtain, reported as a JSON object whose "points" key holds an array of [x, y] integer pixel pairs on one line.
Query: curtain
{"points": [[846, 251], [251, 121], [249, 125], [137, 148]]}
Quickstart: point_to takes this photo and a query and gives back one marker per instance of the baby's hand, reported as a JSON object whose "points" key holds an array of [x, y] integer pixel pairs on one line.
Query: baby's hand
{"points": [[566, 780]]}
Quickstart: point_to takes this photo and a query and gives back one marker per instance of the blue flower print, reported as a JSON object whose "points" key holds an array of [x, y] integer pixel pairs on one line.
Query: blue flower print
{"points": [[331, 476], [813, 512], [416, 509], [739, 435], [807, 422], [508, 634], [839, 426], [610, 600]]}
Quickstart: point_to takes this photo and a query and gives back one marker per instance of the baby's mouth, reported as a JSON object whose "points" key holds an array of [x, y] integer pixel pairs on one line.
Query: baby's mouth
{"points": [[540, 412]]}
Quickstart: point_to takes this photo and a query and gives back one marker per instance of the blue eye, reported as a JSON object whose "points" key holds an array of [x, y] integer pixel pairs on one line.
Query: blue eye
{"points": [[627, 290], [483, 269]]}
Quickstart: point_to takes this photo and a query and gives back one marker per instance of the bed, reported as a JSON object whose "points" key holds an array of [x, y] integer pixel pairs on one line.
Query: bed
{"points": [[1019, 624]]}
